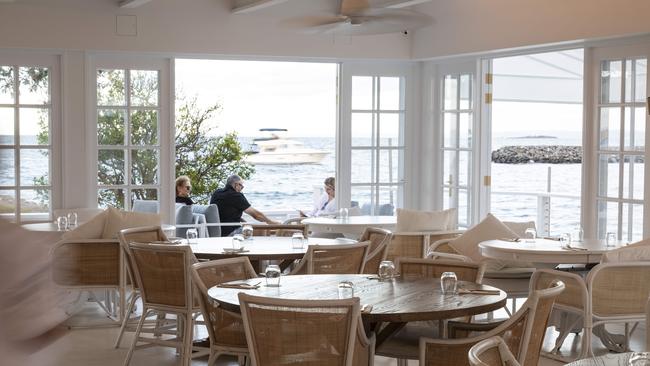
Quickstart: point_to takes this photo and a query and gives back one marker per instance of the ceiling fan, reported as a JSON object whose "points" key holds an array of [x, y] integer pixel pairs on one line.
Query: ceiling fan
{"points": [[357, 17]]}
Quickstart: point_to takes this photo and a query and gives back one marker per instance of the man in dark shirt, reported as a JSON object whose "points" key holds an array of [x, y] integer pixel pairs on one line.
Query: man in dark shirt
{"points": [[232, 203]]}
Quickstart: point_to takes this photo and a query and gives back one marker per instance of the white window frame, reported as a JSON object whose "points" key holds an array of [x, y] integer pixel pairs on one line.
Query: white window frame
{"points": [[52, 62], [166, 145]]}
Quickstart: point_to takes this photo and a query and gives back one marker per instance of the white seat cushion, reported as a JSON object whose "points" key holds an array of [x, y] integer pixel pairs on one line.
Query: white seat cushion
{"points": [[117, 220]]}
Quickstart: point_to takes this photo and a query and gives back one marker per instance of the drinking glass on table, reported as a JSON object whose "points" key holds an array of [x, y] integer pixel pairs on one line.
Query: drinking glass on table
{"points": [[639, 359], [272, 275], [530, 234], [297, 241], [610, 239], [247, 232], [386, 270], [72, 219], [62, 223], [346, 289], [191, 234], [448, 282], [237, 242], [565, 240]]}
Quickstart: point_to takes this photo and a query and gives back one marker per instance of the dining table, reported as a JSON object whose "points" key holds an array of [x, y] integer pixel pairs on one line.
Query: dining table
{"points": [[352, 226], [258, 248], [610, 359], [393, 302]]}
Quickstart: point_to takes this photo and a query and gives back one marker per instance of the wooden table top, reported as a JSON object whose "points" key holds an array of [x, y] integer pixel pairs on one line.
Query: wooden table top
{"points": [[399, 300], [546, 251], [259, 248], [610, 359], [350, 225]]}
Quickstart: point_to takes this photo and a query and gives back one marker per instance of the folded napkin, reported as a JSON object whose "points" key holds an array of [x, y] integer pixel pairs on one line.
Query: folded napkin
{"points": [[375, 277], [242, 286], [569, 247], [228, 250], [513, 240], [478, 292]]}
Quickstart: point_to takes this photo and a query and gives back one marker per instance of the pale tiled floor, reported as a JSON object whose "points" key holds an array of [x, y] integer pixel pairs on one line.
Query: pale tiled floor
{"points": [[94, 347]]}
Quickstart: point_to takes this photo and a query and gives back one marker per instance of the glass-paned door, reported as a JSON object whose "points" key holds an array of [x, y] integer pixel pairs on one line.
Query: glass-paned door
{"points": [[128, 136], [621, 118], [457, 116]]}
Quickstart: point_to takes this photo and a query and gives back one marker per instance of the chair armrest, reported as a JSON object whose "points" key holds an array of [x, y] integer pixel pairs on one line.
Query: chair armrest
{"points": [[454, 328], [440, 255]]}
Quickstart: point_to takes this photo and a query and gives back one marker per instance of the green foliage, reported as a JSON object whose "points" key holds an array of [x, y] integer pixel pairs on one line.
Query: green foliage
{"points": [[207, 160]]}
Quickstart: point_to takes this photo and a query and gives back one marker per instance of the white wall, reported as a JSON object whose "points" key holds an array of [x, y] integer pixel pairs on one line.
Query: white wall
{"points": [[468, 26], [183, 26]]}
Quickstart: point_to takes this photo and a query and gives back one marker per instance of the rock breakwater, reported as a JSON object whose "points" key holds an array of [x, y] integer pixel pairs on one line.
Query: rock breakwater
{"points": [[549, 154]]}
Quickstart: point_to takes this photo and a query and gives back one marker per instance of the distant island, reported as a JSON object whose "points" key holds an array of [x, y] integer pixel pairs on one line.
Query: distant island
{"points": [[533, 137]]}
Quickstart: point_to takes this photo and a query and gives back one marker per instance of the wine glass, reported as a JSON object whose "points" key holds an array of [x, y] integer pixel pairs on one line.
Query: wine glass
{"points": [[272, 275], [386, 270], [530, 234], [191, 234]]}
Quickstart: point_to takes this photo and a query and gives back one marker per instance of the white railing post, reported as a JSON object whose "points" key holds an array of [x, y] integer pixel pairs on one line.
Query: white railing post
{"points": [[543, 215]]}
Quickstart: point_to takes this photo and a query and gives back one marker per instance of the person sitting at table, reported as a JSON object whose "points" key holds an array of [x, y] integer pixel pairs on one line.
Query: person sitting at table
{"points": [[183, 189], [232, 203], [326, 204]]}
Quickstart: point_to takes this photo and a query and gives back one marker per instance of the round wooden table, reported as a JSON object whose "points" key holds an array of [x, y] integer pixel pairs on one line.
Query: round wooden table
{"points": [[354, 225], [610, 359], [546, 251], [395, 302]]}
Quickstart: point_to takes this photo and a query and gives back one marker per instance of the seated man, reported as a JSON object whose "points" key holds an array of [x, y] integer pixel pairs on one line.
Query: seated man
{"points": [[232, 203]]}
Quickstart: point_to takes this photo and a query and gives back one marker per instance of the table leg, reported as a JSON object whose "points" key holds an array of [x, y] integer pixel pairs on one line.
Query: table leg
{"points": [[384, 333]]}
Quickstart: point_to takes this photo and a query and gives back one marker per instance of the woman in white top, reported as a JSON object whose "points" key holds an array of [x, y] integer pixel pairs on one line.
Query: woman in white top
{"points": [[326, 205]]}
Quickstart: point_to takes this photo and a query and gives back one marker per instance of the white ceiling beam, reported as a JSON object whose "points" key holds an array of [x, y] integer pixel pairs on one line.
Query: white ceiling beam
{"points": [[396, 4], [132, 3], [246, 6]]}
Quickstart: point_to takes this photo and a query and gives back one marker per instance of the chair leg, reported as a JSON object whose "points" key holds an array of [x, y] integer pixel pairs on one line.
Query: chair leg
{"points": [[129, 354], [125, 320], [402, 362], [186, 351]]}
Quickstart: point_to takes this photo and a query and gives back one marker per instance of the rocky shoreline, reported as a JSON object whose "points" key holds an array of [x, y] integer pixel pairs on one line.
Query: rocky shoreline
{"points": [[549, 154]]}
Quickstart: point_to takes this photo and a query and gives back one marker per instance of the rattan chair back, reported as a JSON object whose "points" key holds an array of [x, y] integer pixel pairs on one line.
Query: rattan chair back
{"points": [[416, 245], [300, 332], [491, 352], [378, 250], [86, 263], [224, 328], [145, 234], [410, 268], [280, 230], [163, 274], [333, 259]]}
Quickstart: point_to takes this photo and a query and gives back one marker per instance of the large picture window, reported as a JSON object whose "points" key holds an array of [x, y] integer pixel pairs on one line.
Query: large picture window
{"points": [[25, 142]]}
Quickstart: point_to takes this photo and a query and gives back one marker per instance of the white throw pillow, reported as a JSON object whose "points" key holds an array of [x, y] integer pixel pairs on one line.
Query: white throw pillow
{"points": [[91, 229], [488, 229], [637, 252], [117, 220], [413, 220], [519, 228]]}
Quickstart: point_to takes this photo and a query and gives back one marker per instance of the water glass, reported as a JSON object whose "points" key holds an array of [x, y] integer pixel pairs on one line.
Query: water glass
{"points": [[610, 239], [530, 234], [247, 232], [346, 289], [386, 270], [639, 359], [579, 234], [565, 239], [72, 219], [448, 283], [191, 234], [343, 213], [237, 242], [62, 223], [297, 241], [272, 275]]}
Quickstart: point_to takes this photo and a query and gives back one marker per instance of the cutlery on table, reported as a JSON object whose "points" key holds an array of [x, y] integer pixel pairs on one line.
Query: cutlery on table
{"points": [[243, 286], [478, 292]]}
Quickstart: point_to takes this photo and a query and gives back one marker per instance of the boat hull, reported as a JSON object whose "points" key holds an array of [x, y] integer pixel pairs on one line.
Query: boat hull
{"points": [[281, 158]]}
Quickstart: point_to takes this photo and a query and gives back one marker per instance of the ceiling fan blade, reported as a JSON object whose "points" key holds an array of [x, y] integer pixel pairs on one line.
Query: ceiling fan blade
{"points": [[353, 6], [381, 21], [314, 21]]}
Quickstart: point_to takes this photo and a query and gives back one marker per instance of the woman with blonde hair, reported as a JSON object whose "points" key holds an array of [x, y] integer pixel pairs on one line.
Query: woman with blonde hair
{"points": [[326, 205], [183, 189]]}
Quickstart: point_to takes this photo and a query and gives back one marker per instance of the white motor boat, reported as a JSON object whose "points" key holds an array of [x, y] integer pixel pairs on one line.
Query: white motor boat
{"points": [[277, 150]]}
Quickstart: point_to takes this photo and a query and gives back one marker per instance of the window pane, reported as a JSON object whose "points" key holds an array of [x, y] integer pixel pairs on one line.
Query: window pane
{"points": [[465, 130], [144, 166], [641, 75], [610, 81], [389, 93], [144, 194], [362, 166], [564, 213], [362, 129], [34, 126], [110, 126], [110, 88], [607, 218], [637, 133], [628, 80], [7, 167], [144, 128], [6, 126], [34, 85], [463, 168], [449, 123], [110, 167], [610, 128], [388, 166], [362, 92], [144, 88], [633, 172], [608, 180], [34, 202], [632, 223], [450, 96], [449, 168], [34, 167], [463, 207], [7, 201], [465, 92], [361, 197], [446, 198], [389, 129], [386, 204], [110, 197], [7, 90]]}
